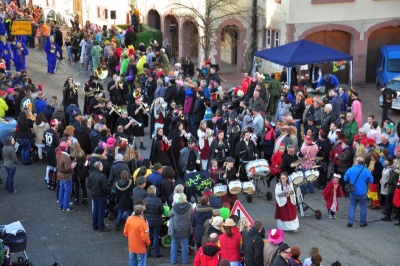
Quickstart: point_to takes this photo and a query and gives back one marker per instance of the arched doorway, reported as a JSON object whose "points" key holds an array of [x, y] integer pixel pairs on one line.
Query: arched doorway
{"points": [[229, 47], [338, 40], [171, 32], [191, 41], [378, 38], [153, 19]]}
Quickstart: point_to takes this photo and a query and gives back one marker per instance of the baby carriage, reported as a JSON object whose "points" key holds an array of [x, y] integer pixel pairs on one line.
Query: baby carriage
{"points": [[14, 237]]}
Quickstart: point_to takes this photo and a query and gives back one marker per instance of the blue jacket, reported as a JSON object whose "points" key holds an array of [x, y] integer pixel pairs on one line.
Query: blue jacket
{"points": [[154, 210], [334, 81], [51, 46], [156, 179], [365, 177]]}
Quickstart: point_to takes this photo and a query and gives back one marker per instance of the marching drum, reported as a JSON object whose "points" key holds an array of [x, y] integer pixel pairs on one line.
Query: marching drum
{"points": [[235, 187], [248, 187], [296, 178], [220, 190], [311, 175], [257, 168]]}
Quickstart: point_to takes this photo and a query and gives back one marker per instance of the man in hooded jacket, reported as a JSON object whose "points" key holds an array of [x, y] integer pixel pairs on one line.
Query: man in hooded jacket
{"points": [[210, 253]]}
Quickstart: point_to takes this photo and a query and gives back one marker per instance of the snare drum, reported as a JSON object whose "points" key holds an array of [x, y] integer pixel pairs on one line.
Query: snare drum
{"points": [[257, 168], [311, 175], [235, 187], [220, 190], [296, 177], [248, 187]]}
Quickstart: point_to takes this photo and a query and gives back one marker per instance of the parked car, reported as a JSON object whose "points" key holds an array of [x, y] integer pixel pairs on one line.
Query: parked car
{"points": [[388, 66], [7, 127], [393, 84]]}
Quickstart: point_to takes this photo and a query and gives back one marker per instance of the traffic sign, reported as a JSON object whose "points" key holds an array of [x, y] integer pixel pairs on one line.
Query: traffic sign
{"points": [[239, 210]]}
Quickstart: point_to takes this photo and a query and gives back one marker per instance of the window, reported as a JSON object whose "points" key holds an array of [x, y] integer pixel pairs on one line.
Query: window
{"points": [[272, 38], [102, 12]]}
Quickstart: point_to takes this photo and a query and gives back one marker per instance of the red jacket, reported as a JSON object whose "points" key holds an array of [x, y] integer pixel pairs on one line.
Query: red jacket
{"points": [[337, 148], [208, 255], [276, 162], [328, 194], [231, 246]]}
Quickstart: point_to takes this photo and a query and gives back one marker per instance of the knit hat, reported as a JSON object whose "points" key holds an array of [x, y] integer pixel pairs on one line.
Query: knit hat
{"points": [[157, 166], [119, 157], [217, 221]]}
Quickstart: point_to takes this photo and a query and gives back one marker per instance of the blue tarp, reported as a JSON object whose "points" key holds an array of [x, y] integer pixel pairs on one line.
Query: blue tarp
{"points": [[302, 52]]}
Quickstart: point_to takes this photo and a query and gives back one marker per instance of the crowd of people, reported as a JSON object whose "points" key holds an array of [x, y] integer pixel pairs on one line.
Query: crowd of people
{"points": [[195, 125]]}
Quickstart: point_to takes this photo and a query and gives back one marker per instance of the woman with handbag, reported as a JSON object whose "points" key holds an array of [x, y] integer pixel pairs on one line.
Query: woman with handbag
{"points": [[24, 136]]}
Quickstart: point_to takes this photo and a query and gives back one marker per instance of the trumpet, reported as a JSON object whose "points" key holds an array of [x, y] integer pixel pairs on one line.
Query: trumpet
{"points": [[166, 140], [145, 108], [134, 121], [121, 83], [75, 88]]}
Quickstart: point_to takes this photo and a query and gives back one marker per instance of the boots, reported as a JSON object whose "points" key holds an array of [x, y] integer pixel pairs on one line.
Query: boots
{"points": [[84, 201], [141, 146]]}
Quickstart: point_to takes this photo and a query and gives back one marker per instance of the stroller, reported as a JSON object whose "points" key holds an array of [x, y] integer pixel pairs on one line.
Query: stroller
{"points": [[14, 237]]}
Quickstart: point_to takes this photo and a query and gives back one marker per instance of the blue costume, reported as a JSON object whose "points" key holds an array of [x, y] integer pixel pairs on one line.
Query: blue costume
{"points": [[19, 54], [6, 54], [51, 49]]}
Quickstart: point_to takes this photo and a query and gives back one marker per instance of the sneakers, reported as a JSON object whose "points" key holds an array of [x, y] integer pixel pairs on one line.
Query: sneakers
{"points": [[68, 210], [330, 216]]}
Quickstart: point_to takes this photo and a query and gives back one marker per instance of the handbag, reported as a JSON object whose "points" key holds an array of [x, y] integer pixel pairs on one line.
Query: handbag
{"points": [[351, 186]]}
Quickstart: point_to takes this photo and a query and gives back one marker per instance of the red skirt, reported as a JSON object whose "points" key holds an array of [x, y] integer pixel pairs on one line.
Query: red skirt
{"points": [[396, 198], [205, 152], [287, 212]]}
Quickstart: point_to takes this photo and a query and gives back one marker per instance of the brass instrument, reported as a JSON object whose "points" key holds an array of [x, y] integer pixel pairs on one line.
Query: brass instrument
{"points": [[121, 83], [134, 121], [101, 72], [91, 93], [75, 88], [137, 94]]}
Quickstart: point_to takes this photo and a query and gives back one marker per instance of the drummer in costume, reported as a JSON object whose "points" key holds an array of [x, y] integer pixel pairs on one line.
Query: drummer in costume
{"points": [[69, 91], [90, 86], [290, 161], [189, 159], [137, 111], [96, 107], [205, 138], [309, 150], [276, 162], [161, 149], [230, 174], [219, 149], [246, 150], [51, 48], [116, 88], [19, 54], [285, 212]]}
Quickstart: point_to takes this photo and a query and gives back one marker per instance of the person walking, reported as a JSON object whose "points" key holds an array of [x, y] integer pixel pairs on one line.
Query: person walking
{"points": [[65, 168], [180, 228], [99, 186], [10, 163], [358, 176], [137, 232]]}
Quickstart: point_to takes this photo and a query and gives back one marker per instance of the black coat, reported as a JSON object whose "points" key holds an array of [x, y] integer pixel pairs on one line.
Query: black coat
{"points": [[115, 171], [154, 211], [123, 191], [253, 246], [171, 93], [137, 194], [198, 110], [167, 188], [82, 133], [98, 184]]}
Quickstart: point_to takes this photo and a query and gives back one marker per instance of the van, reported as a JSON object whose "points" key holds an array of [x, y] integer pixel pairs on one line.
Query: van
{"points": [[388, 65]]}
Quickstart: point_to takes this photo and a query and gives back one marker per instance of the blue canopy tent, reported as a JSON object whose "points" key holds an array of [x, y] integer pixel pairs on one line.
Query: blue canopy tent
{"points": [[304, 52]]}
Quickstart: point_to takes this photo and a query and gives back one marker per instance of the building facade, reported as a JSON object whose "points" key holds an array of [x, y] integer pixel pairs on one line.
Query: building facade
{"points": [[357, 27]]}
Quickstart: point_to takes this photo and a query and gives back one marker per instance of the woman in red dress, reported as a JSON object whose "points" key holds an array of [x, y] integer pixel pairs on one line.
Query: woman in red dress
{"points": [[285, 212], [206, 136], [396, 200]]}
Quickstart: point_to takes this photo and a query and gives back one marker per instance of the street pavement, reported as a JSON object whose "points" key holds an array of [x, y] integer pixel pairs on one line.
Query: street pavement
{"points": [[68, 238]]}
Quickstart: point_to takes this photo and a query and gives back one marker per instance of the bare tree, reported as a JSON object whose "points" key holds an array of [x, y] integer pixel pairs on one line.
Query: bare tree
{"points": [[207, 16]]}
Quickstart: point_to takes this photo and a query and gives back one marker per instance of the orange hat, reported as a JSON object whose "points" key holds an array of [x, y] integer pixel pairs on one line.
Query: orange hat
{"points": [[309, 101]]}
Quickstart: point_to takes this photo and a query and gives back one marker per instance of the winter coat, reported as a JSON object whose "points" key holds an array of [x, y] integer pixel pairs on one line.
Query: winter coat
{"points": [[82, 133], [3, 107], [188, 105], [392, 182], [154, 211], [64, 166], [123, 189], [208, 230], [9, 156], [208, 255], [269, 253], [156, 179], [280, 261], [253, 246], [137, 232], [94, 138], [198, 110], [230, 246], [115, 171], [167, 188], [39, 131], [180, 222], [329, 192], [137, 194], [201, 214], [344, 160], [98, 184]]}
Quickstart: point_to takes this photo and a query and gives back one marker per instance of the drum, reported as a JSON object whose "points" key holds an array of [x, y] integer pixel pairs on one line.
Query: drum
{"points": [[248, 187], [311, 175], [220, 190], [235, 187], [296, 178], [257, 168]]}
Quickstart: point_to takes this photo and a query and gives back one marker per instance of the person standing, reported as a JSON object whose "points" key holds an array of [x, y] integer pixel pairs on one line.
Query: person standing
{"points": [[58, 38], [315, 75], [10, 163], [24, 127], [358, 176], [51, 49], [99, 186], [180, 228], [356, 109], [274, 91], [153, 215], [282, 258], [230, 243], [253, 245], [208, 254], [51, 143], [137, 232], [65, 168], [123, 189], [330, 194], [285, 212]]}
